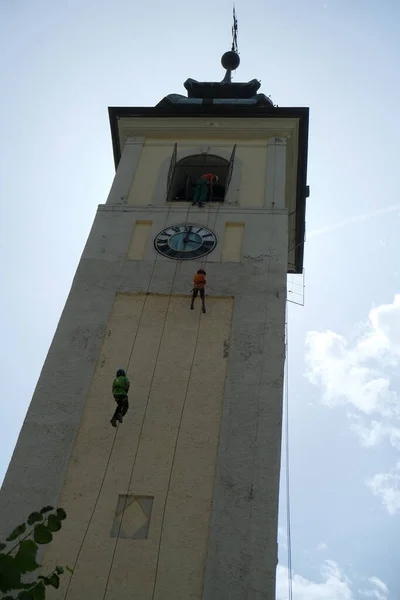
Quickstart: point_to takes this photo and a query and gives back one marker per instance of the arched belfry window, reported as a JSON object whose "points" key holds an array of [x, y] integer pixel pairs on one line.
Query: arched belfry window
{"points": [[183, 175]]}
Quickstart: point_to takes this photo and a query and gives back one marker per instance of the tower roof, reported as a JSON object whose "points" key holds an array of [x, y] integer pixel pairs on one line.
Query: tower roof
{"points": [[220, 92], [227, 101], [223, 92]]}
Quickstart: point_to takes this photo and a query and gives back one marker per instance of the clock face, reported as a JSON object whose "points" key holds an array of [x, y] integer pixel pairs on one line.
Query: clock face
{"points": [[185, 242]]}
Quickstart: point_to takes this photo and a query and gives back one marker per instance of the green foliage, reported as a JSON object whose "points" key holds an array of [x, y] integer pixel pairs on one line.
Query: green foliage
{"points": [[61, 514], [42, 534], [35, 517], [10, 575], [20, 558], [18, 531], [54, 580], [46, 509], [25, 558], [53, 523]]}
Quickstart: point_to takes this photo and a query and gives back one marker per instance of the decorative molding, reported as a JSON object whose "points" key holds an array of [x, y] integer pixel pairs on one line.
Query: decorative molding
{"points": [[278, 140], [134, 140], [183, 209]]}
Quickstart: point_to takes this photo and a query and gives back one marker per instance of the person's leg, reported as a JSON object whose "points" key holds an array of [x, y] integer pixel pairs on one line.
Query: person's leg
{"points": [[194, 295], [197, 193], [125, 407], [203, 193], [203, 301], [115, 415], [200, 193]]}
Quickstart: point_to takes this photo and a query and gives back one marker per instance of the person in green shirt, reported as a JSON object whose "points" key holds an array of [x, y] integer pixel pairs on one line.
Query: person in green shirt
{"points": [[120, 388]]}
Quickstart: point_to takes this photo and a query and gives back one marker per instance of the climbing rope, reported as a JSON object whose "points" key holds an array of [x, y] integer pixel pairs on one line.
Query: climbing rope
{"points": [[288, 511], [116, 431], [174, 453], [146, 407], [145, 413], [180, 420]]}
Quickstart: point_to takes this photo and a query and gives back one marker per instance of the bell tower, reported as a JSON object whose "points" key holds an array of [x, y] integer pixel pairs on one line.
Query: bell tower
{"points": [[181, 500]]}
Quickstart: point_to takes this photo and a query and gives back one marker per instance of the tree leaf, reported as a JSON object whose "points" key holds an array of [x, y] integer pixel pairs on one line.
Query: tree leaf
{"points": [[54, 580], [45, 580], [69, 569], [25, 559], [46, 509], [38, 592], [2, 546], [42, 535], [35, 592], [34, 517], [16, 533], [61, 514], [59, 570], [10, 577], [53, 523]]}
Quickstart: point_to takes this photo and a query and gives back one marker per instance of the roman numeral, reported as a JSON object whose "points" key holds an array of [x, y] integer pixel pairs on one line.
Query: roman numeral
{"points": [[162, 245], [197, 252], [169, 252]]}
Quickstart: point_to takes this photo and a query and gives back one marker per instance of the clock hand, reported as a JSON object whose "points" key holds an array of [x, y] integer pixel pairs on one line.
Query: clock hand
{"points": [[187, 236]]}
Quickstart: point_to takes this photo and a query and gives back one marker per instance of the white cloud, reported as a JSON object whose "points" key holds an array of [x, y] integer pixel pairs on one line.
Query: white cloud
{"points": [[362, 374], [379, 584], [335, 585], [345, 374], [379, 590], [322, 546], [373, 432], [386, 486]]}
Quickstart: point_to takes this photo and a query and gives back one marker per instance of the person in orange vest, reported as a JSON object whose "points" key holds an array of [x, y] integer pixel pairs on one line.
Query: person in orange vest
{"points": [[199, 283], [204, 183]]}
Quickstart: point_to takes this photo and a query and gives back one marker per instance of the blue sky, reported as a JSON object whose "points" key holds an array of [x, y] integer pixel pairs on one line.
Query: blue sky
{"points": [[64, 63]]}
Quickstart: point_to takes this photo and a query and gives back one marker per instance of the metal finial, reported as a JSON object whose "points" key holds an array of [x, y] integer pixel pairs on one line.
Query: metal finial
{"points": [[234, 32], [230, 60]]}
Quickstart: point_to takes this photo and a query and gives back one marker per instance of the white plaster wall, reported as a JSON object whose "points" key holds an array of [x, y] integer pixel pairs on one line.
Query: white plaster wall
{"points": [[166, 448], [70, 414]]}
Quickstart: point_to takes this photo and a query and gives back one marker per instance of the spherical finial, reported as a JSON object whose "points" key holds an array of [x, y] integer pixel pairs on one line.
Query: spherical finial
{"points": [[230, 60]]}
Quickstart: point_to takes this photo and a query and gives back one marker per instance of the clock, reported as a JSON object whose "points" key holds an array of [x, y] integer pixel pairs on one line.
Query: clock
{"points": [[185, 242]]}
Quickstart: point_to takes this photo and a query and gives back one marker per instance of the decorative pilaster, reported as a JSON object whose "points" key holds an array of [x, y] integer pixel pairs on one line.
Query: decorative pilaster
{"points": [[126, 171], [275, 173]]}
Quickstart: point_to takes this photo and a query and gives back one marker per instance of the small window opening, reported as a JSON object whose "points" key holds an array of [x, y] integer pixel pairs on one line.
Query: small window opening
{"points": [[188, 170]]}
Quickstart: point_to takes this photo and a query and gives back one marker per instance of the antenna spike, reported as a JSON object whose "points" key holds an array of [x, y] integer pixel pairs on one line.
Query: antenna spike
{"points": [[234, 31]]}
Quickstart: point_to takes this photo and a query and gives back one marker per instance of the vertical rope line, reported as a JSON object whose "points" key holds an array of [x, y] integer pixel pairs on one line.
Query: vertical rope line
{"points": [[116, 432], [288, 510], [177, 263]]}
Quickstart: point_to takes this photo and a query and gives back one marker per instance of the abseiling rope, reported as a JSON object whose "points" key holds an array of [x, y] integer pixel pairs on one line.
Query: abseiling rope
{"points": [[116, 431], [180, 424], [288, 510], [145, 413]]}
